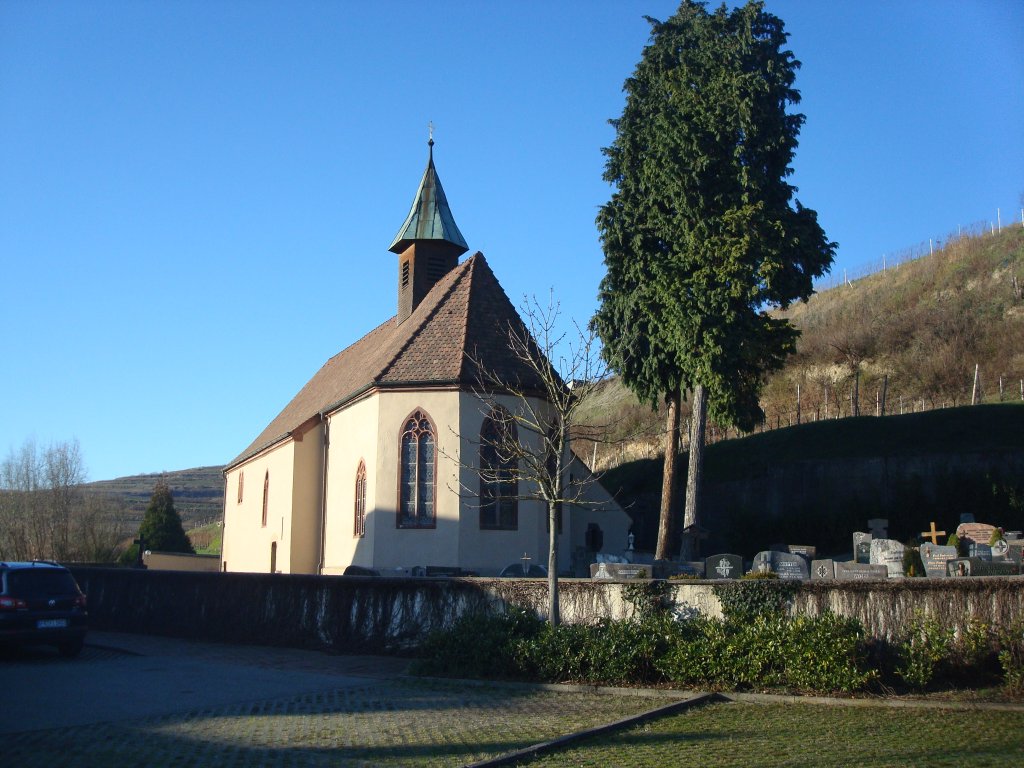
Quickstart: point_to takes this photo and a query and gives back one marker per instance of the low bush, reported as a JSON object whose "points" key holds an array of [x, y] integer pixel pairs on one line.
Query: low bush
{"points": [[926, 644], [478, 645], [1011, 656]]}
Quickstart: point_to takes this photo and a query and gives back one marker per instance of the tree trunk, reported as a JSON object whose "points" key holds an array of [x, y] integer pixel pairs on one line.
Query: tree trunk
{"points": [[668, 481], [554, 617], [695, 473]]}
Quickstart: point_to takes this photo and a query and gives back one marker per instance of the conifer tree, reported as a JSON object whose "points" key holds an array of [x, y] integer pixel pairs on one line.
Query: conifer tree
{"points": [[702, 234], [161, 527]]}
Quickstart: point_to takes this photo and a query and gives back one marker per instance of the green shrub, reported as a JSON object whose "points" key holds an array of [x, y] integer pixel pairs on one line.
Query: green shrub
{"points": [[926, 644], [827, 653], [478, 645], [1011, 655]]}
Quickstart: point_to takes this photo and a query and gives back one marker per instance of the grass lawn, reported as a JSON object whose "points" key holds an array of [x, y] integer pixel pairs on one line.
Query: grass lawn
{"points": [[741, 734]]}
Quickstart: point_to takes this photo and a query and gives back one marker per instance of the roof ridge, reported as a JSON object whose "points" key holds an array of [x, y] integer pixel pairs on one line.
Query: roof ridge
{"points": [[461, 270]]}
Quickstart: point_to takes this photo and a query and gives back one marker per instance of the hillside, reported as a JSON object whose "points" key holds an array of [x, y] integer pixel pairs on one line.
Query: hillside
{"points": [[198, 493], [902, 340]]}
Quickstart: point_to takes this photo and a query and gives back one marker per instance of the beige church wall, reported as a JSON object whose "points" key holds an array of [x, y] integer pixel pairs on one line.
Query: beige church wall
{"points": [[307, 490], [247, 542], [353, 438], [487, 551], [395, 547]]}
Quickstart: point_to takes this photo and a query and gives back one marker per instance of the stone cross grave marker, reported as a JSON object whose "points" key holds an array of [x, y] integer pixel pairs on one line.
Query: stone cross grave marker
{"points": [[860, 572], [861, 547], [787, 566], [888, 552], [932, 534], [723, 567], [823, 569]]}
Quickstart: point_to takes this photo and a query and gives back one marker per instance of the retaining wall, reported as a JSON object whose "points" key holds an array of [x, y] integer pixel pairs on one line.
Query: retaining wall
{"points": [[356, 614]]}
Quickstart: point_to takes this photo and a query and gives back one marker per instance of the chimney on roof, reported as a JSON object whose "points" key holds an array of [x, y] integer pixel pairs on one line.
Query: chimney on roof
{"points": [[428, 244]]}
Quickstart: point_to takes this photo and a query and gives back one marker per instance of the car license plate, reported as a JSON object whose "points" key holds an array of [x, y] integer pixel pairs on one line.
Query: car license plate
{"points": [[51, 623]]}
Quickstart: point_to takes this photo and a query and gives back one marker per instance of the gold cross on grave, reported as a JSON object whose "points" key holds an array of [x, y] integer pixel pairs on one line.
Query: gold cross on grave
{"points": [[932, 534]]}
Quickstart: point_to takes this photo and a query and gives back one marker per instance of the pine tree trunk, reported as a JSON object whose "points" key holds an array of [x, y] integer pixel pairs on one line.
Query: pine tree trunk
{"points": [[554, 617], [695, 472], [668, 482]]}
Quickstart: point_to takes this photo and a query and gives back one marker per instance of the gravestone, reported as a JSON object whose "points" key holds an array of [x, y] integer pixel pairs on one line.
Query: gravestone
{"points": [[723, 567], [1013, 535], [666, 569], [980, 551], [973, 566], [1000, 549], [1015, 551], [620, 571], [888, 552], [978, 533], [862, 547], [861, 572], [787, 566], [935, 557], [806, 551], [823, 569], [879, 527]]}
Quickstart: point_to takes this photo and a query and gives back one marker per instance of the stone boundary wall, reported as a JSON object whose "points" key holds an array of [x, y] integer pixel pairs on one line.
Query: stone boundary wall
{"points": [[354, 614]]}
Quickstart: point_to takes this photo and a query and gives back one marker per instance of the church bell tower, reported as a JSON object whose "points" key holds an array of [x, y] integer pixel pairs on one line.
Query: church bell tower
{"points": [[428, 243]]}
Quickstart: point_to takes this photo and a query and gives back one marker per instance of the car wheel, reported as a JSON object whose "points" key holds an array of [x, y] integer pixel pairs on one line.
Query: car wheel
{"points": [[71, 648]]}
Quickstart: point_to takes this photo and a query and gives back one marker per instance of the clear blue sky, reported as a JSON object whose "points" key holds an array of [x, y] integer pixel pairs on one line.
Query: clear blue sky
{"points": [[196, 198]]}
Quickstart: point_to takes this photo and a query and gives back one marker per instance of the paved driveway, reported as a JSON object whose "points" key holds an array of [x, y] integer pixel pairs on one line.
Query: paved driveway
{"points": [[120, 677], [133, 700]]}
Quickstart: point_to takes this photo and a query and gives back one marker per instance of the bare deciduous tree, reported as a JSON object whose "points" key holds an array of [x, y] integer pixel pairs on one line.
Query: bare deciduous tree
{"points": [[44, 513], [527, 453]]}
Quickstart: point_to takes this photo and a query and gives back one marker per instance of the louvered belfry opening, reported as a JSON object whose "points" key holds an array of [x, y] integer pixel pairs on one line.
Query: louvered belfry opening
{"points": [[428, 243]]}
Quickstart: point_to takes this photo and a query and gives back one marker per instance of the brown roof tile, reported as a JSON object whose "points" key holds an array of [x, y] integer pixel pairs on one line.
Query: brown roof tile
{"points": [[466, 315]]}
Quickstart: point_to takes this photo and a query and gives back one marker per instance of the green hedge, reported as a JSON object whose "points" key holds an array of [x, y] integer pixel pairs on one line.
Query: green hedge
{"points": [[754, 646]]}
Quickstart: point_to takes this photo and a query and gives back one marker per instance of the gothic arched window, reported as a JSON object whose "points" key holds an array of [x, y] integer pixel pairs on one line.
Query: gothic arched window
{"points": [[499, 489], [360, 502], [266, 496], [417, 473]]}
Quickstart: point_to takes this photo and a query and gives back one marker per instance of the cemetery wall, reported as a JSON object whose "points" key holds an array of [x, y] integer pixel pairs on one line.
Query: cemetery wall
{"points": [[377, 615], [835, 497]]}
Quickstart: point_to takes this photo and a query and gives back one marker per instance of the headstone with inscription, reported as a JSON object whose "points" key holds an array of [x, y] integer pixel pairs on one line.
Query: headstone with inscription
{"points": [[723, 567], [888, 552], [973, 566], [980, 551], [806, 551], [861, 547], [935, 557], [975, 533], [860, 572], [1015, 551], [823, 569], [619, 571], [787, 566]]}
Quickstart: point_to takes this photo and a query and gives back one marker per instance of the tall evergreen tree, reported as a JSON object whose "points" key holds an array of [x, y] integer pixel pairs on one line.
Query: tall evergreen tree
{"points": [[161, 527], [702, 234]]}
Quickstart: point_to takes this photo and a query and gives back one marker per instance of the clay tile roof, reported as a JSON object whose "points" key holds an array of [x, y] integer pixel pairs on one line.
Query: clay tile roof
{"points": [[466, 316]]}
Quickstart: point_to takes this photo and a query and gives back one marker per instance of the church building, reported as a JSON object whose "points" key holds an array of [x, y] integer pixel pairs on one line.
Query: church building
{"points": [[373, 463]]}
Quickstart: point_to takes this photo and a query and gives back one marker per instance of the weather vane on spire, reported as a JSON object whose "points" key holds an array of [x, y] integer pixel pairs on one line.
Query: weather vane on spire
{"points": [[430, 127]]}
